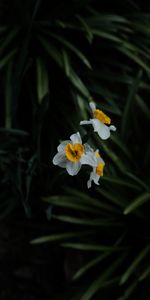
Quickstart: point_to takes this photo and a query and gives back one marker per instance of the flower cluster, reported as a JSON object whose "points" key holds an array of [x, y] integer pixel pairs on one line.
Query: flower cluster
{"points": [[72, 154]]}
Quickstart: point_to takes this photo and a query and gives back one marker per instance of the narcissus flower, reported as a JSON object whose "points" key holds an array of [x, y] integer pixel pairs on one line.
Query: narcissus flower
{"points": [[97, 170], [100, 122], [72, 154]]}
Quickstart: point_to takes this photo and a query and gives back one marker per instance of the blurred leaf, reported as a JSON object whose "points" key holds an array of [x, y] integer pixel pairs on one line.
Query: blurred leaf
{"points": [[100, 281], [51, 50], [136, 203], [87, 222], [91, 247], [8, 97], [86, 28], [42, 80], [8, 38], [72, 48], [134, 264], [7, 58], [121, 182], [129, 290], [66, 62], [143, 106], [60, 237], [127, 117], [145, 274], [139, 181], [90, 265]]}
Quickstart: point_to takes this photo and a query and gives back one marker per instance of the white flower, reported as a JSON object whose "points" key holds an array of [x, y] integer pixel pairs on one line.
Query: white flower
{"points": [[72, 154], [99, 120], [97, 170]]}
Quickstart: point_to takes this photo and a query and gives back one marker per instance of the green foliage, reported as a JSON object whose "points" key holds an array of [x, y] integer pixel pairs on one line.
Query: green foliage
{"points": [[52, 64]]}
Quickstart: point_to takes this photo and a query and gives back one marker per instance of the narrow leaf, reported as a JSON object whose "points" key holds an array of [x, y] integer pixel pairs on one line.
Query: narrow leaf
{"points": [[136, 203], [134, 264]]}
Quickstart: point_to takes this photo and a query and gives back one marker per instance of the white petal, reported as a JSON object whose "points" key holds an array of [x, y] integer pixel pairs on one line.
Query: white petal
{"points": [[95, 177], [73, 168], [60, 159], [62, 146], [112, 127], [89, 183], [88, 148], [92, 106], [85, 122], [102, 129], [76, 138], [89, 159]]}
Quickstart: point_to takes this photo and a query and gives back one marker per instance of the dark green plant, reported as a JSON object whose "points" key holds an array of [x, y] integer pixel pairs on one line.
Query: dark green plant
{"points": [[53, 62]]}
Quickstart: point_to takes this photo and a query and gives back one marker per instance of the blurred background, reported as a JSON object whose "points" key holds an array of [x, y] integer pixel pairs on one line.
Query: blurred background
{"points": [[59, 240]]}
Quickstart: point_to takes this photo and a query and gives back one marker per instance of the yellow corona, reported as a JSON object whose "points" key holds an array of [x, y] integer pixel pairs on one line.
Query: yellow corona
{"points": [[74, 152], [98, 114], [99, 169]]}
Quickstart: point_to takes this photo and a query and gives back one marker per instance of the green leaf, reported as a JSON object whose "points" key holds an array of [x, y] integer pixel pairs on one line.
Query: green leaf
{"points": [[127, 116], [114, 157], [145, 274], [138, 181], [78, 83], [66, 62], [90, 265], [120, 182], [87, 222], [101, 280], [70, 202], [8, 38], [92, 247], [144, 108], [84, 198], [42, 80], [86, 28], [7, 58], [113, 197], [8, 97], [60, 237], [106, 35], [72, 48], [142, 199], [51, 50], [134, 264], [117, 140], [135, 58], [129, 290]]}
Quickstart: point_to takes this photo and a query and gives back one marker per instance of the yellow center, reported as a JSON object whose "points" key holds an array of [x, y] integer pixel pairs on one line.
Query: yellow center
{"points": [[74, 152], [98, 114], [99, 169]]}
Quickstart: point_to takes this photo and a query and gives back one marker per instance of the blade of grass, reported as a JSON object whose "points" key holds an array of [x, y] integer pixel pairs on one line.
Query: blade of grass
{"points": [[7, 58], [42, 80], [134, 265], [91, 247], [126, 119], [72, 48], [8, 97], [87, 222], [142, 199], [101, 280], [90, 265], [71, 202], [60, 237]]}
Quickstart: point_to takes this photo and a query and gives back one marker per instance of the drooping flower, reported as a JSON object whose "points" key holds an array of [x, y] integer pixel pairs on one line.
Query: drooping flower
{"points": [[72, 154], [97, 170], [100, 122]]}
